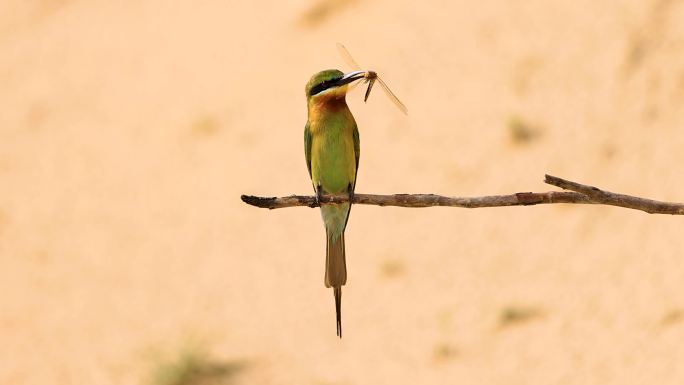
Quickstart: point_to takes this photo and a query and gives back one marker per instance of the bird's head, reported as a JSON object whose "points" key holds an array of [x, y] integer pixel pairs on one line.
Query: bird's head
{"points": [[330, 85]]}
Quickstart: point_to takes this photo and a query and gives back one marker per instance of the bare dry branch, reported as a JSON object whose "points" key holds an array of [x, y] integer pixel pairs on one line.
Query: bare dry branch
{"points": [[603, 197], [421, 200], [580, 194]]}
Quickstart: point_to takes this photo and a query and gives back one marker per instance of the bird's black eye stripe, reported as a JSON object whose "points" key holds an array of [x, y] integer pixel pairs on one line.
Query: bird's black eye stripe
{"points": [[324, 85]]}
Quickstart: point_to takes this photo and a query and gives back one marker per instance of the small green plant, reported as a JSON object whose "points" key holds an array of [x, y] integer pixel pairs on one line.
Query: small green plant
{"points": [[392, 268], [192, 366], [521, 131], [516, 314], [444, 351], [672, 317], [206, 126]]}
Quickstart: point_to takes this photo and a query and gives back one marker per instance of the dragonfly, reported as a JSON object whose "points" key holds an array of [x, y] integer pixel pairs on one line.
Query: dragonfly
{"points": [[370, 78]]}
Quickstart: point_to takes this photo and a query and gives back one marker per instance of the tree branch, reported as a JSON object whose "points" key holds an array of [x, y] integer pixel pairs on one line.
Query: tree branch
{"points": [[579, 194], [603, 197]]}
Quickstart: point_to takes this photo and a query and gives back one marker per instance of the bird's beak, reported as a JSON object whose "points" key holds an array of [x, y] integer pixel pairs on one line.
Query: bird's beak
{"points": [[350, 77]]}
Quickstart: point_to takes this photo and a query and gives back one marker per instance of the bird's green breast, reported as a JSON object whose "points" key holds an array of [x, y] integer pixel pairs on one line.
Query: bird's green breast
{"points": [[333, 161]]}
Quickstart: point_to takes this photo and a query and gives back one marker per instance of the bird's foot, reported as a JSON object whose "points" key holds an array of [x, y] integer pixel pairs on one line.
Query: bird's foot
{"points": [[350, 191], [317, 197]]}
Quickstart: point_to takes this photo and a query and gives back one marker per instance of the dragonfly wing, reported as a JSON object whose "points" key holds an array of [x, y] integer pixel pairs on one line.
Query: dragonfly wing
{"points": [[391, 96], [347, 57]]}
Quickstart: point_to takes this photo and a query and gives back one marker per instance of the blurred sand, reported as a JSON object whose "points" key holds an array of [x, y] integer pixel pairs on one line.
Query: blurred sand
{"points": [[129, 130]]}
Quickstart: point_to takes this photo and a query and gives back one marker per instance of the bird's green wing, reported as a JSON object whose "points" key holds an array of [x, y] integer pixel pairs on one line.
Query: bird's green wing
{"points": [[357, 151], [307, 147]]}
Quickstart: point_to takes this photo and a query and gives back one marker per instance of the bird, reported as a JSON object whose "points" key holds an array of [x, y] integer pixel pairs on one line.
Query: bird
{"points": [[332, 149]]}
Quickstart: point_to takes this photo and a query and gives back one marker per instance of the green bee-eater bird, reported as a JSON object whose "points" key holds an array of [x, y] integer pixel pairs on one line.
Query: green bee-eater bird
{"points": [[331, 146]]}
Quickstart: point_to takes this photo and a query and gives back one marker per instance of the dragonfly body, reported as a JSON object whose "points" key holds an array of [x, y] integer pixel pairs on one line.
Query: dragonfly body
{"points": [[370, 77]]}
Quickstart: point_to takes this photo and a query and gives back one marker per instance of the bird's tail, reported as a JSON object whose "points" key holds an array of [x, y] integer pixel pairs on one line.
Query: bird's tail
{"points": [[336, 273], [337, 292], [335, 264]]}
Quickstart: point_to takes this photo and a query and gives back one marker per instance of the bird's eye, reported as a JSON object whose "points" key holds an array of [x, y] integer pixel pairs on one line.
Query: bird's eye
{"points": [[322, 86]]}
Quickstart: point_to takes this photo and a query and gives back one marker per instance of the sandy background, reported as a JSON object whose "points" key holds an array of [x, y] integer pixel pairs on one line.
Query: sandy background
{"points": [[128, 131]]}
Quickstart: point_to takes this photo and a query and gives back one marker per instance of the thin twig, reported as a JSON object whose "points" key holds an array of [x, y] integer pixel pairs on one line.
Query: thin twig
{"points": [[614, 199], [580, 194]]}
